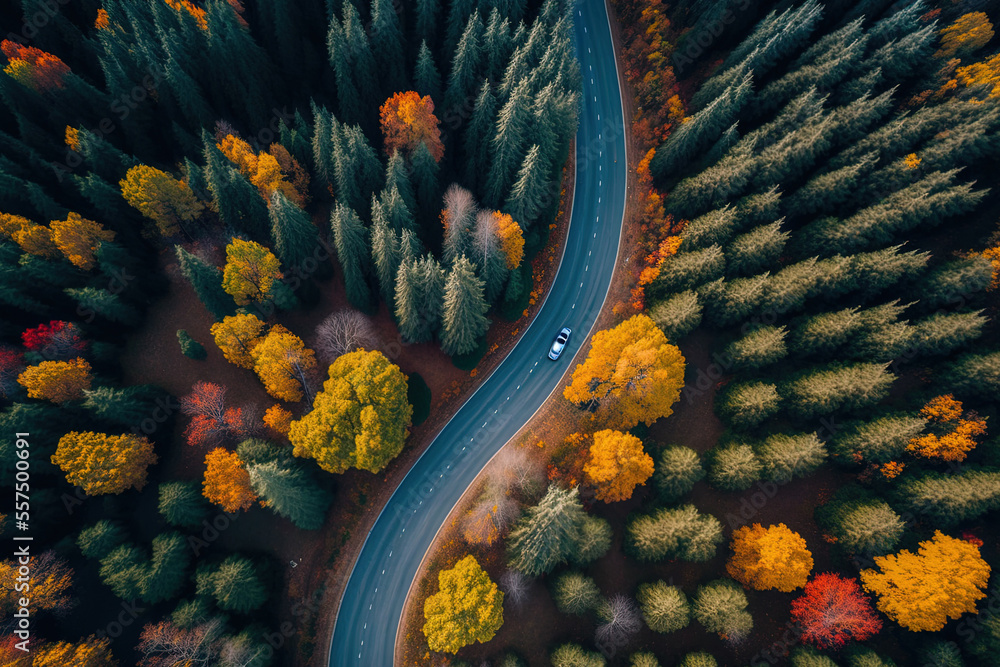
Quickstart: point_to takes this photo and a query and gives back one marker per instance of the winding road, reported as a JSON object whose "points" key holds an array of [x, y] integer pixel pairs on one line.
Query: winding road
{"points": [[370, 610]]}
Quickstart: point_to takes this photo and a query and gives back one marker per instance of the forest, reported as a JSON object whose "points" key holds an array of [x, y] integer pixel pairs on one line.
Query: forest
{"points": [[288, 181], [783, 449]]}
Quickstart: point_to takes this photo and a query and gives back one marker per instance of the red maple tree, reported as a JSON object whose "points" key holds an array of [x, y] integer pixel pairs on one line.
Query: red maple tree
{"points": [[57, 340], [833, 611], [206, 405]]}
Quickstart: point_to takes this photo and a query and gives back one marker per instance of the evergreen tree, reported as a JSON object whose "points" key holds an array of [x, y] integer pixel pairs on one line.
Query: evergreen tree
{"points": [[234, 198], [466, 64], [397, 176], [677, 316], [508, 144], [686, 270], [547, 534], [745, 405], [759, 348], [720, 606], [388, 38], [385, 258], [879, 441], [497, 44], [575, 593], [425, 182], [459, 12], [943, 333], [426, 77], [974, 375], [407, 307], [207, 283], [353, 253], [431, 279], [235, 584], [950, 499], [125, 406], [664, 607], [393, 209], [479, 135], [678, 469], [756, 250], [733, 467], [488, 255], [836, 387], [532, 189], [291, 492], [951, 282], [91, 301], [295, 237], [464, 314], [324, 168], [667, 534], [182, 505], [785, 457], [428, 12]]}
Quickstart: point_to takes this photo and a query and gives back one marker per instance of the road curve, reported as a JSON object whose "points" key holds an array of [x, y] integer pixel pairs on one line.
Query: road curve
{"points": [[370, 610]]}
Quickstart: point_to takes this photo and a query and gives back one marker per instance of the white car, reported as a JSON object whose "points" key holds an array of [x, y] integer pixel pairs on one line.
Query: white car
{"points": [[559, 344]]}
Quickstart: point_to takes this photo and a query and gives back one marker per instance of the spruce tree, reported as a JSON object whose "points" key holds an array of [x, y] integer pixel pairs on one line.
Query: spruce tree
{"points": [[234, 198], [353, 254], [488, 255], [407, 307], [508, 144], [479, 135], [464, 315], [425, 182], [387, 37], [322, 148], [291, 492], [431, 278], [124, 406], [680, 532], [294, 235], [532, 189], [466, 64], [951, 499], [385, 258], [182, 504], [459, 12], [426, 77], [428, 12], [497, 45], [547, 534]]}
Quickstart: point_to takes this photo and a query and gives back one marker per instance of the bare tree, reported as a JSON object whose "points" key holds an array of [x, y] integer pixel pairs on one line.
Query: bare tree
{"points": [[515, 471], [458, 216], [342, 332], [164, 644], [515, 585], [621, 620], [490, 516]]}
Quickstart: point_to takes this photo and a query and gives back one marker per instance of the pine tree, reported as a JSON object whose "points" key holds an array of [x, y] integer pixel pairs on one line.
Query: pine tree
{"points": [[459, 12], [674, 533], [785, 457], [508, 144], [950, 499], [385, 258], [547, 534], [466, 64], [182, 504], [324, 169], [428, 12], [497, 44], [353, 254], [295, 237], [407, 306], [426, 77], [425, 181], [388, 38], [532, 189], [359, 171], [207, 283], [459, 217], [234, 198], [733, 467], [394, 209], [479, 135], [126, 406], [431, 278], [464, 314], [290, 492]]}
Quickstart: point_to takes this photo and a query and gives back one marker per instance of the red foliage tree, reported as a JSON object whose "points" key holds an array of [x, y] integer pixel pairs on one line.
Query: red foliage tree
{"points": [[408, 120], [833, 611], [58, 340], [33, 67], [11, 365], [206, 405]]}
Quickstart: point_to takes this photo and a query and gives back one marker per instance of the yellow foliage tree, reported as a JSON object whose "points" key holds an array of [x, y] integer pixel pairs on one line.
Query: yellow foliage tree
{"points": [[250, 272], [101, 463], [57, 381], [268, 171], [922, 591], [89, 652], [48, 583], [165, 200], [617, 465], [283, 363], [237, 336], [77, 238], [511, 239], [772, 557], [278, 419], [227, 482], [952, 437], [986, 73], [467, 608], [632, 374], [970, 32], [33, 238]]}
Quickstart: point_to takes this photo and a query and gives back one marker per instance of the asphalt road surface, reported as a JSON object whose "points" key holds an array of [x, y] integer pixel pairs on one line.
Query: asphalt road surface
{"points": [[369, 614]]}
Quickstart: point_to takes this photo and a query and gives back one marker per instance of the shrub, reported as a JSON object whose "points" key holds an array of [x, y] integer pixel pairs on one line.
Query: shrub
{"points": [[760, 347], [746, 405], [575, 593], [720, 607], [189, 346], [699, 659], [677, 316], [665, 608], [734, 467], [677, 470], [785, 457]]}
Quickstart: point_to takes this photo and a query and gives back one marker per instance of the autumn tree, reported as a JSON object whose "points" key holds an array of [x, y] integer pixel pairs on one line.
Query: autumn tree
{"points": [[360, 419], [78, 239], [833, 611], [102, 463], [11, 366], [278, 419], [617, 464], [49, 582], [206, 405], [160, 197], [88, 652], [284, 364], [57, 340], [511, 239], [631, 375], [772, 557], [250, 273], [57, 381], [408, 120], [237, 336], [620, 621], [968, 33], [922, 591], [227, 482], [344, 331], [467, 608], [164, 644], [951, 435]]}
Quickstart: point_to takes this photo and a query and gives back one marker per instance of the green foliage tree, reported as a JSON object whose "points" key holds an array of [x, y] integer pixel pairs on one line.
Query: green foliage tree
{"points": [[665, 608], [291, 492], [575, 593], [236, 584], [189, 346], [974, 375], [100, 539], [760, 347], [548, 534], [674, 533], [679, 315], [785, 457], [181, 504], [463, 317], [950, 499], [746, 405], [837, 387], [881, 440], [720, 607], [678, 469], [207, 283], [733, 467], [574, 655], [756, 250]]}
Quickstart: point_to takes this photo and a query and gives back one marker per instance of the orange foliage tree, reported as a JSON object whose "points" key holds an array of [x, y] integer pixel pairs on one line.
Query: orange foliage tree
{"points": [[772, 557], [970, 32], [511, 239], [77, 238], [48, 582], [227, 482], [89, 652], [57, 381], [33, 68], [617, 464], [33, 238], [922, 591], [269, 171], [632, 374], [284, 364], [100, 463], [408, 120], [196, 12], [278, 419], [986, 73], [952, 437]]}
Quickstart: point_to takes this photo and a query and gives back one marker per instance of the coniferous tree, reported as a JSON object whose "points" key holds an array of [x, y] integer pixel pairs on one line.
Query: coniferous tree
{"points": [[575, 593], [388, 37], [353, 253], [397, 176], [426, 77], [463, 317], [207, 283], [733, 467], [234, 198], [497, 44], [508, 144], [295, 237], [548, 533], [425, 182], [291, 492], [431, 278], [674, 533], [479, 135], [974, 375], [428, 12], [488, 255], [324, 169], [385, 258], [531, 191], [459, 12], [950, 499], [466, 64]]}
